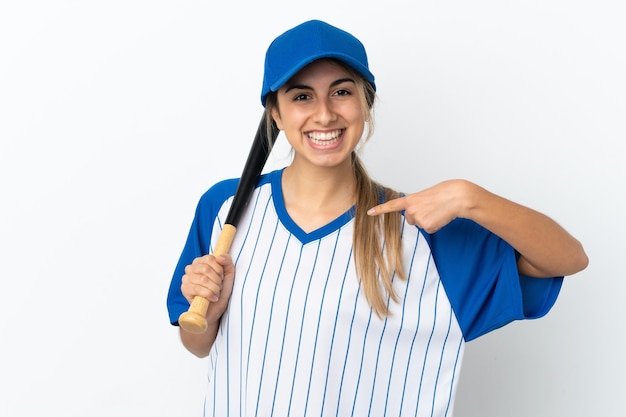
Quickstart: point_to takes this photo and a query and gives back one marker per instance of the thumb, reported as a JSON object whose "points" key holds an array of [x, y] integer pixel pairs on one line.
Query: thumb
{"points": [[226, 262]]}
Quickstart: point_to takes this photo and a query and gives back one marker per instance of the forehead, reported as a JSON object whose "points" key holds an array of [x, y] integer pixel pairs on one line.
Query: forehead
{"points": [[322, 69]]}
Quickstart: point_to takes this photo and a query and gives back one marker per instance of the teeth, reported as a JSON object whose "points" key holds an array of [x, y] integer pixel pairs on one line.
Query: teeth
{"points": [[324, 138]]}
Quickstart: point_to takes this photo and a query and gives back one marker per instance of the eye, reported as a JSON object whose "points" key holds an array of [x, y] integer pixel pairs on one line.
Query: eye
{"points": [[301, 97], [343, 92]]}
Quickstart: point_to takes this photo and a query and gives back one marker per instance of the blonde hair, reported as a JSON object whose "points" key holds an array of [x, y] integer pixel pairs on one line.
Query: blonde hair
{"points": [[377, 239]]}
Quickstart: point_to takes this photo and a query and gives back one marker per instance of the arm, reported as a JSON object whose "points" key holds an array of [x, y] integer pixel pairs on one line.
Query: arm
{"points": [[546, 248], [200, 344], [212, 278]]}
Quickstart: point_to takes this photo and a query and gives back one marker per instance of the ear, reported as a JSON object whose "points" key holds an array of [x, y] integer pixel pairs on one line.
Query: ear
{"points": [[277, 119]]}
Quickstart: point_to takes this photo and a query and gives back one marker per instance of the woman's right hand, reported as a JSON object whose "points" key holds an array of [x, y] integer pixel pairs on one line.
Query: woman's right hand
{"points": [[212, 278]]}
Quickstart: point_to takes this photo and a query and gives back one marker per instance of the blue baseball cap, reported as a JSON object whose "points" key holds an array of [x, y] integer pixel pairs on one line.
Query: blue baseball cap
{"points": [[305, 43]]}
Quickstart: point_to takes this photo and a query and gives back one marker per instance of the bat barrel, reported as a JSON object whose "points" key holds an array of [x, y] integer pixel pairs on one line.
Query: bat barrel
{"points": [[257, 157]]}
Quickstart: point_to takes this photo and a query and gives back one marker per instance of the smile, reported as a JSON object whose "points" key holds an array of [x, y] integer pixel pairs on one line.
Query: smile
{"points": [[325, 138]]}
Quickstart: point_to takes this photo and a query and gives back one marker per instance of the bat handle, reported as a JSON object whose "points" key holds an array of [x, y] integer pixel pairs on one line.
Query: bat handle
{"points": [[194, 319]]}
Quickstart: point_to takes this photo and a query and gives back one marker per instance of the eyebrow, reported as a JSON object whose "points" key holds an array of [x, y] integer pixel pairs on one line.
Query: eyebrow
{"points": [[306, 87]]}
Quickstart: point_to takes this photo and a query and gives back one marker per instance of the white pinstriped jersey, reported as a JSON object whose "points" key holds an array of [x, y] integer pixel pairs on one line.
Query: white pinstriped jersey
{"points": [[299, 338]]}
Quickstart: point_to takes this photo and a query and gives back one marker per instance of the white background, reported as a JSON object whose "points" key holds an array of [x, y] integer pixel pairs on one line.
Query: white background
{"points": [[115, 116]]}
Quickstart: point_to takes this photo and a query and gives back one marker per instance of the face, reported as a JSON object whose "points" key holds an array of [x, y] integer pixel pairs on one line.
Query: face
{"points": [[321, 113]]}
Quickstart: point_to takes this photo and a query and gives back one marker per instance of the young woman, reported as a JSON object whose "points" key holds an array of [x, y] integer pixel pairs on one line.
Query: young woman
{"points": [[341, 296]]}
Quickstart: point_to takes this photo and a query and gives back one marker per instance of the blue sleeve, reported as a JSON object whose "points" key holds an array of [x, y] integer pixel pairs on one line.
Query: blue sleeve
{"points": [[479, 273], [198, 242]]}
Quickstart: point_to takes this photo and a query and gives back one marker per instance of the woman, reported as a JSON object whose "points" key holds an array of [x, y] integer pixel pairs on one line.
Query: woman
{"points": [[351, 298]]}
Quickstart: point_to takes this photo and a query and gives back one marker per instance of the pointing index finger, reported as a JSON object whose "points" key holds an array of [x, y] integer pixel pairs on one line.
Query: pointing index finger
{"points": [[397, 204]]}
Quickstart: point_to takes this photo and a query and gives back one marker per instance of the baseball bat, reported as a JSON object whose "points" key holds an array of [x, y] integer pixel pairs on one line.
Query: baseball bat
{"points": [[194, 320]]}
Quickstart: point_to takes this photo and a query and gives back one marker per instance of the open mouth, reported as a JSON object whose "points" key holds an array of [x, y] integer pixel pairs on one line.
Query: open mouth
{"points": [[325, 138]]}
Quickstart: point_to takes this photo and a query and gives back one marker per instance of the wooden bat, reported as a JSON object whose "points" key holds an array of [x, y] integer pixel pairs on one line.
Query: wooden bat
{"points": [[193, 320]]}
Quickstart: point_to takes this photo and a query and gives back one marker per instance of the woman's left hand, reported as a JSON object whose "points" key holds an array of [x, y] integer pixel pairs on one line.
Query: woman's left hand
{"points": [[432, 208]]}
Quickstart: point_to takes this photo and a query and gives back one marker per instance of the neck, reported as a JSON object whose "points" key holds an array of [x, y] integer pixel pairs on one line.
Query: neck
{"points": [[319, 187], [315, 197]]}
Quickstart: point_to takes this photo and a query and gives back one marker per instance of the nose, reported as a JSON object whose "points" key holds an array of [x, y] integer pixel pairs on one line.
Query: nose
{"points": [[324, 111]]}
